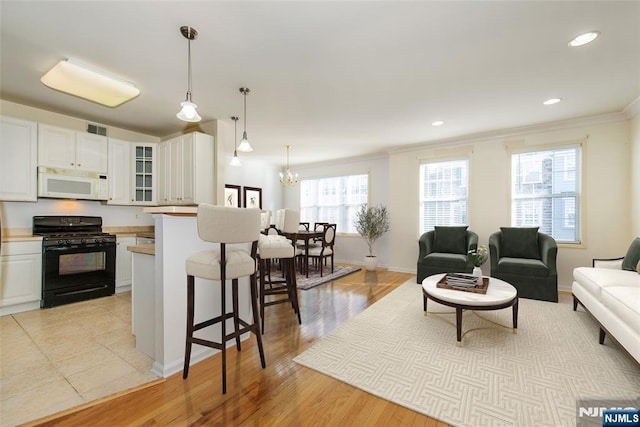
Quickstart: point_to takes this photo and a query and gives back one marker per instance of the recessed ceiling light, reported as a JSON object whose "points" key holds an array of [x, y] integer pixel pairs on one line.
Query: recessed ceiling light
{"points": [[552, 101], [437, 123], [583, 39]]}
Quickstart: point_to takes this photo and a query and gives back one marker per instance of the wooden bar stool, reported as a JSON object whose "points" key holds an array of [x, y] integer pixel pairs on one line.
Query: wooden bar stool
{"points": [[224, 226], [279, 248]]}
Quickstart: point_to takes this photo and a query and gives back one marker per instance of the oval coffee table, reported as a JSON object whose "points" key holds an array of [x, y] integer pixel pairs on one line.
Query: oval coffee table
{"points": [[500, 294]]}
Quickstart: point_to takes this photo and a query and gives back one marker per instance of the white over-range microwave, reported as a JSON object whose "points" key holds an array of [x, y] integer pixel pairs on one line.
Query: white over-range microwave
{"points": [[72, 184]]}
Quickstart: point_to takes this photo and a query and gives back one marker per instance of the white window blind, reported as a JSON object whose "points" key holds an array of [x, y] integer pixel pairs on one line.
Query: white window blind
{"points": [[334, 200], [444, 192], [545, 192]]}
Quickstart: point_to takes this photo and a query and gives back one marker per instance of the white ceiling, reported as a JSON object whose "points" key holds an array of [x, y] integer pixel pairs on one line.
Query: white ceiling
{"points": [[333, 79]]}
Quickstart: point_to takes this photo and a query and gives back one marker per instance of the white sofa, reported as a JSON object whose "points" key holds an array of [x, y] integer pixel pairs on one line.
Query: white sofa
{"points": [[612, 296]]}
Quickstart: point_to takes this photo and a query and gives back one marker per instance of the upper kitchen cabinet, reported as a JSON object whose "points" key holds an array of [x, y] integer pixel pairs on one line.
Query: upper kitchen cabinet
{"points": [[18, 160], [144, 174], [120, 182], [68, 149], [132, 173], [187, 170]]}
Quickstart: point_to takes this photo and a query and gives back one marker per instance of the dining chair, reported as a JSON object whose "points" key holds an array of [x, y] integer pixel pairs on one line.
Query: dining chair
{"points": [[325, 249]]}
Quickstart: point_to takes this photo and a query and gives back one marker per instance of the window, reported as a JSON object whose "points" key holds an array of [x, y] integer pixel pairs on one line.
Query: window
{"points": [[444, 190], [545, 192], [335, 200]]}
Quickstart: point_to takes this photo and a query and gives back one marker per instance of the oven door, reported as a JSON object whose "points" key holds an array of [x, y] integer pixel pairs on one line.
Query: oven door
{"points": [[77, 273]]}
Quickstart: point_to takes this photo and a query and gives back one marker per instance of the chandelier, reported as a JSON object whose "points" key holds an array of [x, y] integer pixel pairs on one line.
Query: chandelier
{"points": [[287, 179]]}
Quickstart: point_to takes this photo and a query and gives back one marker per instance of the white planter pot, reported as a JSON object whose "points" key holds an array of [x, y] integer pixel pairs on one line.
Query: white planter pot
{"points": [[371, 262], [477, 271]]}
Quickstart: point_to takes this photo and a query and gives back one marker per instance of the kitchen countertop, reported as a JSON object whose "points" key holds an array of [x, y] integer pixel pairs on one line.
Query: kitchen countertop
{"points": [[173, 210], [148, 249], [18, 235]]}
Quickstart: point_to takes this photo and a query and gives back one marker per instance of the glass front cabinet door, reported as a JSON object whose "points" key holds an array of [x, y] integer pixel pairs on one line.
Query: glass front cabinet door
{"points": [[144, 176]]}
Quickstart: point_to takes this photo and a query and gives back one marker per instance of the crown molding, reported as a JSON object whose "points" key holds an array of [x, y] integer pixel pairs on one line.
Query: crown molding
{"points": [[633, 109], [518, 131]]}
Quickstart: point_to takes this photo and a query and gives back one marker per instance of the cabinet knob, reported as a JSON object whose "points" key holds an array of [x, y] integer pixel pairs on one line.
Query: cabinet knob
{"points": [[71, 163]]}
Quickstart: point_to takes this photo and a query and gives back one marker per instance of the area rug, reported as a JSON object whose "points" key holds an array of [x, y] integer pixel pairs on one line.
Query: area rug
{"points": [[314, 278], [532, 378]]}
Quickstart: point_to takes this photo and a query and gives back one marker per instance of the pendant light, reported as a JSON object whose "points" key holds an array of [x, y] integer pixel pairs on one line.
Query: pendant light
{"points": [[244, 143], [188, 112], [287, 179], [235, 161]]}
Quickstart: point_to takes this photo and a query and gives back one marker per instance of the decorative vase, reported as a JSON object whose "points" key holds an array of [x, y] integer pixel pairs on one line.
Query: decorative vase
{"points": [[477, 271], [371, 262]]}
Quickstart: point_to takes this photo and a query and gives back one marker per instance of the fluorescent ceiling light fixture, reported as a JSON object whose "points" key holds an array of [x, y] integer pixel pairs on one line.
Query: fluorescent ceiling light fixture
{"points": [[552, 101], [85, 82], [437, 123], [583, 39]]}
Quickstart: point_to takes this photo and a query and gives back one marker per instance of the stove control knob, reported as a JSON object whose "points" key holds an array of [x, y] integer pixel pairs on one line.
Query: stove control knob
{"points": [[83, 240], [67, 242], [60, 242]]}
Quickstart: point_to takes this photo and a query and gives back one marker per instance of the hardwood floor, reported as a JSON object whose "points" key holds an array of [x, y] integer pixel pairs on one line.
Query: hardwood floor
{"points": [[284, 393]]}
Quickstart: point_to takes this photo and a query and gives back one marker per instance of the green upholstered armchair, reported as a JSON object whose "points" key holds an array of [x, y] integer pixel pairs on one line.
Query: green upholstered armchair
{"points": [[526, 259], [444, 250]]}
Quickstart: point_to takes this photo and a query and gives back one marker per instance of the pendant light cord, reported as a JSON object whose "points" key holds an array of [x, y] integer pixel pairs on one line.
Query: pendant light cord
{"points": [[189, 68]]}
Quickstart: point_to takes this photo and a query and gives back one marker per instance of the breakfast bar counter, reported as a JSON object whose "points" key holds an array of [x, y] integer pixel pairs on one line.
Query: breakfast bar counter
{"points": [[176, 238]]}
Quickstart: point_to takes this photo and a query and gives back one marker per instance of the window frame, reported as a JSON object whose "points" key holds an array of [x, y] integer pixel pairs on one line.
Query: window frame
{"points": [[464, 158], [579, 184], [338, 175]]}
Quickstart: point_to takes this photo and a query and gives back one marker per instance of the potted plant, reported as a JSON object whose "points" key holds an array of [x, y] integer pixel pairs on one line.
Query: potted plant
{"points": [[371, 223], [478, 257]]}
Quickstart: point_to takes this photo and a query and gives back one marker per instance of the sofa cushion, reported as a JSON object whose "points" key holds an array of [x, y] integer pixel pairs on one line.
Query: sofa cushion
{"points": [[451, 262], [519, 242], [632, 257], [451, 240], [624, 301], [594, 279], [521, 266]]}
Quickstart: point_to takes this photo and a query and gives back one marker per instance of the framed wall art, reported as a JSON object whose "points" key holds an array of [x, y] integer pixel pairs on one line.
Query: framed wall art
{"points": [[232, 196], [252, 197]]}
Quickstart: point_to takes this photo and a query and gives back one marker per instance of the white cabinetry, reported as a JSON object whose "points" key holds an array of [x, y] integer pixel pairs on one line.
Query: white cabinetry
{"points": [[187, 170], [144, 174], [123, 262], [68, 149], [18, 160], [132, 173], [119, 172], [20, 276]]}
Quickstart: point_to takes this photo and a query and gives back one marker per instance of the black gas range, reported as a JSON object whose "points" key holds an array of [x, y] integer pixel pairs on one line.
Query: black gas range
{"points": [[78, 259]]}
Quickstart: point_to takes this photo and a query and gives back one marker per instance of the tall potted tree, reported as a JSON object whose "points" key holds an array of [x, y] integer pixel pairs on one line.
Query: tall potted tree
{"points": [[371, 223]]}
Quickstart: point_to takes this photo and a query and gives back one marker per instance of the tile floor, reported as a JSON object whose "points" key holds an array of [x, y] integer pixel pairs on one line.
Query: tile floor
{"points": [[58, 358]]}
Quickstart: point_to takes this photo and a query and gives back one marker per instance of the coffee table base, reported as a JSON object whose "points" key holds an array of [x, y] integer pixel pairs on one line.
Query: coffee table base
{"points": [[461, 307]]}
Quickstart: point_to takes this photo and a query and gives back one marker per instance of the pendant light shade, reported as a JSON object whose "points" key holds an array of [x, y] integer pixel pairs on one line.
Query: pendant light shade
{"points": [[235, 161], [287, 179], [188, 112], [244, 143]]}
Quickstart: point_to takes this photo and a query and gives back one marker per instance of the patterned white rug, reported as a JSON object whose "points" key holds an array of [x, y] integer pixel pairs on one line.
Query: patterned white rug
{"points": [[532, 378]]}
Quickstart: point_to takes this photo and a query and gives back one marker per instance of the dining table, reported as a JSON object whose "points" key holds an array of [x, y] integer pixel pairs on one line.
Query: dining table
{"points": [[306, 236]]}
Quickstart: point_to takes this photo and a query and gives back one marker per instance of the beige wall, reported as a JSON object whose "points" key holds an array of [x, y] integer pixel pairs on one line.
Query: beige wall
{"points": [[635, 175], [606, 190]]}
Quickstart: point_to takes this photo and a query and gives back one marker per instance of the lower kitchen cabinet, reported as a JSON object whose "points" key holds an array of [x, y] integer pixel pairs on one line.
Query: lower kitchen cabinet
{"points": [[20, 276], [123, 263]]}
